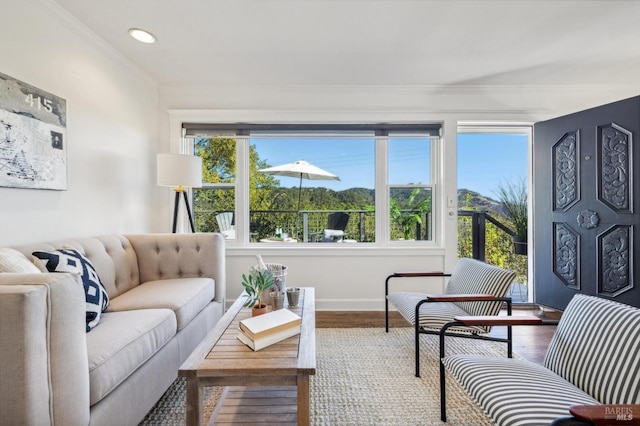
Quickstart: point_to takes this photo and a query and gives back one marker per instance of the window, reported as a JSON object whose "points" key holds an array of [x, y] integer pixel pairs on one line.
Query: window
{"points": [[253, 173], [214, 203], [304, 179], [493, 211]]}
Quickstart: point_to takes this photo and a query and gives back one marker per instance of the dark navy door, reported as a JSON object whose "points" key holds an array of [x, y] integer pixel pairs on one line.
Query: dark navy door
{"points": [[586, 211]]}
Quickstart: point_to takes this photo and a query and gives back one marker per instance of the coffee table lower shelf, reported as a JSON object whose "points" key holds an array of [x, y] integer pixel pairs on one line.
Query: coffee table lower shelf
{"points": [[256, 405]]}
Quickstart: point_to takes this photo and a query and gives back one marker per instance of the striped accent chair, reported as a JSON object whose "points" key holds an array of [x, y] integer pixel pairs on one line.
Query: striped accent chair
{"points": [[592, 359], [475, 288]]}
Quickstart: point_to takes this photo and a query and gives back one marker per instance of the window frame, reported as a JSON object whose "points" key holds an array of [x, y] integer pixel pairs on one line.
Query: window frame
{"points": [[434, 183], [382, 187]]}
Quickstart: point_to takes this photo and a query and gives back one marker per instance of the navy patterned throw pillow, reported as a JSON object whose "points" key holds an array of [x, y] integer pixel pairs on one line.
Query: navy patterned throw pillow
{"points": [[64, 260]]}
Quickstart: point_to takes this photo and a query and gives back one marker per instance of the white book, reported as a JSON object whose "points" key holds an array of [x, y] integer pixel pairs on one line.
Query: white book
{"points": [[269, 323], [269, 340]]}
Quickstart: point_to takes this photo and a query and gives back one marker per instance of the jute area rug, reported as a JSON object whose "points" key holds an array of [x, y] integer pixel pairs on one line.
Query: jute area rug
{"points": [[365, 376]]}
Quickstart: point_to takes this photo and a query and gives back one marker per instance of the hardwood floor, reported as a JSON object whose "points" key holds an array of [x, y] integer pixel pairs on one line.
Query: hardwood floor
{"points": [[530, 342]]}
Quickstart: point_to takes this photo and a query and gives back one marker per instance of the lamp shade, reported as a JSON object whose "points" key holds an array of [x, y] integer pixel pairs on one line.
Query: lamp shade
{"points": [[179, 170]]}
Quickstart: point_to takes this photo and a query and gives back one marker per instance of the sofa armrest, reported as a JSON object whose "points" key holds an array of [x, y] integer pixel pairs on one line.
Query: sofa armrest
{"points": [[418, 274], [462, 297], [499, 320], [44, 378], [166, 256], [503, 320], [415, 274]]}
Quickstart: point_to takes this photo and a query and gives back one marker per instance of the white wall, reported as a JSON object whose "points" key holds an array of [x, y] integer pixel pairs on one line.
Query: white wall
{"points": [[118, 119], [112, 128]]}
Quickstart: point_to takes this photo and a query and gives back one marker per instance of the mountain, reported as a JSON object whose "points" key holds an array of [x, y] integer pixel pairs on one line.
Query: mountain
{"points": [[471, 200], [359, 198]]}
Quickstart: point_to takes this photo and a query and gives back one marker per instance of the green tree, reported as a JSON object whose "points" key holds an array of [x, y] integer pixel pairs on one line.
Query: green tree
{"points": [[408, 213], [219, 167]]}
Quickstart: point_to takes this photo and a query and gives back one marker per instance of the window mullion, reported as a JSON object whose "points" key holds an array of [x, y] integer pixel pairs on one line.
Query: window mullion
{"points": [[242, 188], [382, 191]]}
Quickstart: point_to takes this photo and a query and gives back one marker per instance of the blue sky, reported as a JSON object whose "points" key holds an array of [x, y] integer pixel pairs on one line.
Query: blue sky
{"points": [[484, 161], [352, 160]]}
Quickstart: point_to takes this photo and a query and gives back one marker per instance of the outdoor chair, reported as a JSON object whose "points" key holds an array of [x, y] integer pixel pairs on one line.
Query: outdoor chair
{"points": [[475, 288], [226, 225], [334, 232]]}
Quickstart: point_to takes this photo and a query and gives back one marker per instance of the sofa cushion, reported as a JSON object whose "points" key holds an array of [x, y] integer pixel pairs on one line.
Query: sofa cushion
{"points": [[65, 260], [515, 392], [112, 256], [186, 297], [12, 260], [123, 342]]}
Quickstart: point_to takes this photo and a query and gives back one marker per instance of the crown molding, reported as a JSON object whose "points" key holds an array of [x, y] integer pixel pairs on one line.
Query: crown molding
{"points": [[336, 116], [76, 26], [468, 103], [450, 88]]}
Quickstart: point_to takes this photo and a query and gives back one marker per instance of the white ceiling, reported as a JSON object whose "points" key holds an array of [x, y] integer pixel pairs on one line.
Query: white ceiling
{"points": [[374, 42]]}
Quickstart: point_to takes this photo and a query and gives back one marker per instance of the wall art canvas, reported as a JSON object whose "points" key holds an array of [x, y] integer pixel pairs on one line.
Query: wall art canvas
{"points": [[33, 137]]}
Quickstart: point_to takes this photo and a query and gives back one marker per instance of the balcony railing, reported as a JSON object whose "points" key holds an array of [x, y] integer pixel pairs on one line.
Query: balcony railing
{"points": [[361, 227], [302, 225], [483, 237], [479, 221]]}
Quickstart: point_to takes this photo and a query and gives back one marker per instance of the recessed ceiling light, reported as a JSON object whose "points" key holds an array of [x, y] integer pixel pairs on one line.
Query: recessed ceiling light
{"points": [[142, 35]]}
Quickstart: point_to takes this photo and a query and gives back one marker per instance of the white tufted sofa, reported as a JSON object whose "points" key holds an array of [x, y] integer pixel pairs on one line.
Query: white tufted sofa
{"points": [[166, 291]]}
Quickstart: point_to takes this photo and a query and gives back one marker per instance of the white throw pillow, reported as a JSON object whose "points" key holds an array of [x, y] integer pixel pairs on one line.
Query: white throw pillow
{"points": [[12, 260]]}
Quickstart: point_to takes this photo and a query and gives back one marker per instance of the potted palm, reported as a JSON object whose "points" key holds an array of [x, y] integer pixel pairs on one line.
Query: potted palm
{"points": [[513, 196], [255, 284]]}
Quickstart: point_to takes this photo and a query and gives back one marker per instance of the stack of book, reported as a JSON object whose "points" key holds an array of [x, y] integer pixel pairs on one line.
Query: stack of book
{"points": [[264, 330]]}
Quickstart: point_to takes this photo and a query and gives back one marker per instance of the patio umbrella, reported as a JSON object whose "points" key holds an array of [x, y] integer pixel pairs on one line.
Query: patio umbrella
{"points": [[300, 169]]}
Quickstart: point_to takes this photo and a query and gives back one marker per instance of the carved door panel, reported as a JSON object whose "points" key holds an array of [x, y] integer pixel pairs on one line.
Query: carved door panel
{"points": [[586, 214]]}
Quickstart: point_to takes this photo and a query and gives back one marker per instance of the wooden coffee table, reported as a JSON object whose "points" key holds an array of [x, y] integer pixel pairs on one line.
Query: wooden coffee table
{"points": [[222, 360]]}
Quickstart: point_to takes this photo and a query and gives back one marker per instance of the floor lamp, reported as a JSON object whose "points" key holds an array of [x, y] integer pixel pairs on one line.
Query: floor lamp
{"points": [[180, 172]]}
